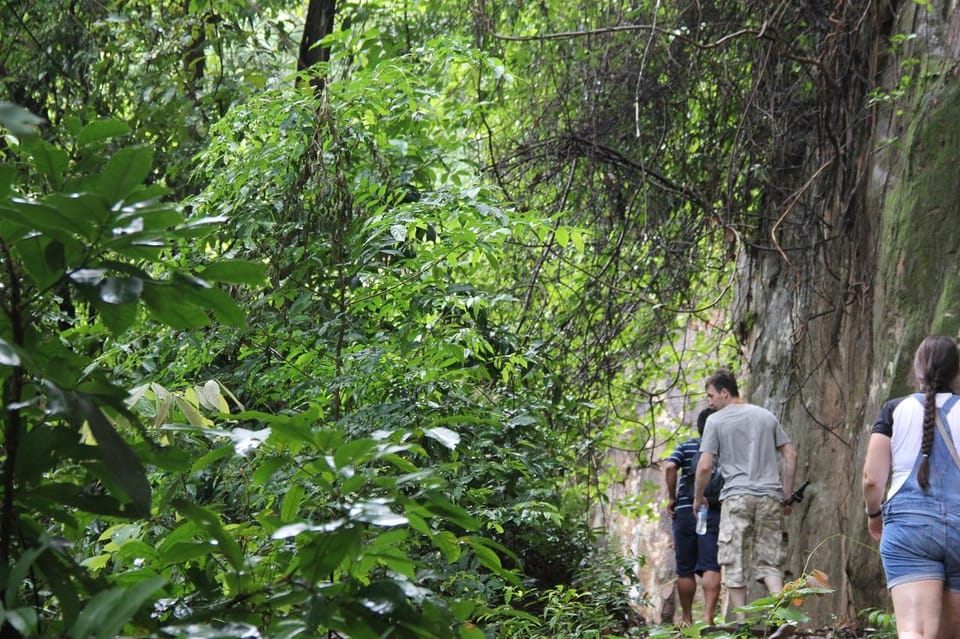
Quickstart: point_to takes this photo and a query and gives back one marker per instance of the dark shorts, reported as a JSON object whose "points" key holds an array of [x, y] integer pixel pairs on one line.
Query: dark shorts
{"points": [[695, 553]]}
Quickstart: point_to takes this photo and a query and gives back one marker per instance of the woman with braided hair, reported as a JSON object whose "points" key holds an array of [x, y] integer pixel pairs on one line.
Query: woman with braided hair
{"points": [[914, 444]]}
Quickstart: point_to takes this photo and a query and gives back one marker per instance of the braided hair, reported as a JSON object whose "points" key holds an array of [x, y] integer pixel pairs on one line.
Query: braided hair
{"points": [[935, 366]]}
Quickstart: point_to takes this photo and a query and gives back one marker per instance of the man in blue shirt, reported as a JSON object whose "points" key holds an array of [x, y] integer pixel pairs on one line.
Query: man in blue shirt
{"points": [[695, 554]]}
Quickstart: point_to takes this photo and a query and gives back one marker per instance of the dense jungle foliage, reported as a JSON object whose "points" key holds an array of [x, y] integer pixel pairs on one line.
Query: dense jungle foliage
{"points": [[320, 318]]}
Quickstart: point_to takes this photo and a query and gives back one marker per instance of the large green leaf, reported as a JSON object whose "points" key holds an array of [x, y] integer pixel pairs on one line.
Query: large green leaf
{"points": [[232, 630], [167, 306], [224, 308], [106, 614], [86, 211], [44, 259], [353, 452], [147, 216], [48, 159], [236, 272], [73, 496], [52, 218], [118, 318], [290, 506], [445, 436], [209, 522], [324, 554], [101, 130], [7, 174], [117, 290], [184, 551], [18, 574], [125, 171], [121, 462], [18, 120], [8, 354], [23, 620]]}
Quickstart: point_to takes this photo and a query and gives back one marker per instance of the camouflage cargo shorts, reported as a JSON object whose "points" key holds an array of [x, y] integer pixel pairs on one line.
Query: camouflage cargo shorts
{"points": [[751, 537]]}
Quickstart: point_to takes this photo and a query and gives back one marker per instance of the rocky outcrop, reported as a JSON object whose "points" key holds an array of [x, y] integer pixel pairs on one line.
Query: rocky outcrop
{"points": [[831, 312]]}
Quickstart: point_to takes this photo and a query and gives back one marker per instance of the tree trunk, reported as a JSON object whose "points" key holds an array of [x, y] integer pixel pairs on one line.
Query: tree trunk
{"points": [[319, 24]]}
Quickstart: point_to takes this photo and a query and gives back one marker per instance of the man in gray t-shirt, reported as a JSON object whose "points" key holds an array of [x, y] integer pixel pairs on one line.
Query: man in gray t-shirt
{"points": [[748, 442]]}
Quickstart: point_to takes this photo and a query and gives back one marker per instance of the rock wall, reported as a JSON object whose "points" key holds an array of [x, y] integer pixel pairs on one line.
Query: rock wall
{"points": [[832, 334], [828, 332]]}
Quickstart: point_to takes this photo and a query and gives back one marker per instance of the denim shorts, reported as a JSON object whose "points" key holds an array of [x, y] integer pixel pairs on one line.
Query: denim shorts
{"points": [[920, 541], [695, 553]]}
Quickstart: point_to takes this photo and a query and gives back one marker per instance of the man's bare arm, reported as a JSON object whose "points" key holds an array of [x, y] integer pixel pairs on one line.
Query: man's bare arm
{"points": [[670, 479], [789, 454], [704, 470]]}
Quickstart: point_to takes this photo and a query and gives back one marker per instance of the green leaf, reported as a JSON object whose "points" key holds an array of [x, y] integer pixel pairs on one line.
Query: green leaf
{"points": [[287, 429], [117, 290], [32, 252], [19, 572], [794, 615], [470, 631], [184, 551], [116, 317], [101, 130], [62, 574], [448, 543], [353, 452], [18, 120], [23, 620], [324, 554], [486, 556], [236, 272], [438, 505], [376, 512], [148, 197], [445, 436], [106, 614], [267, 467], [384, 597], [224, 308], [52, 220], [86, 211], [218, 453], [122, 464], [48, 159], [96, 563], [136, 549], [143, 220], [462, 609], [232, 630], [126, 170], [291, 503], [167, 307], [8, 354], [209, 522], [7, 174]]}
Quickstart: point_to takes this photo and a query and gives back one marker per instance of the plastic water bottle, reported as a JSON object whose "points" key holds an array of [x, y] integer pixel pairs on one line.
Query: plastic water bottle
{"points": [[702, 521]]}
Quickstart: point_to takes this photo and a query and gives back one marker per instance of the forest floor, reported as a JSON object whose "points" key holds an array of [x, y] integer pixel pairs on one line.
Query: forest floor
{"points": [[785, 631]]}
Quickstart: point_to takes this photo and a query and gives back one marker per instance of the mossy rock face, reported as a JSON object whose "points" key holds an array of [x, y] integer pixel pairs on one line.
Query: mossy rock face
{"points": [[896, 278], [918, 274]]}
